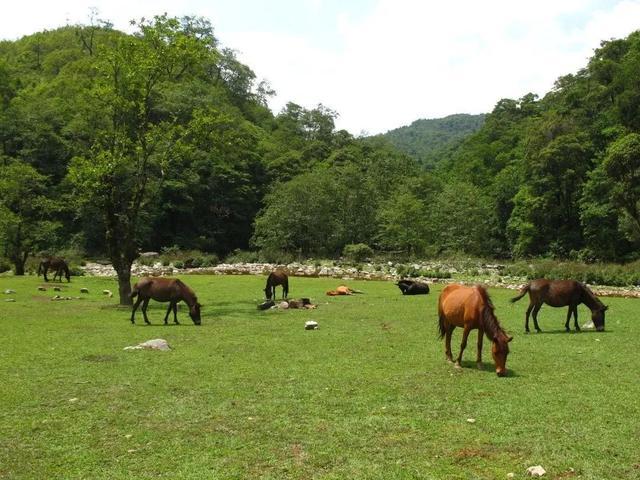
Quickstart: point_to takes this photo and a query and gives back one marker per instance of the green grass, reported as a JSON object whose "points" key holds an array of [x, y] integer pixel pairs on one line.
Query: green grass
{"points": [[251, 394]]}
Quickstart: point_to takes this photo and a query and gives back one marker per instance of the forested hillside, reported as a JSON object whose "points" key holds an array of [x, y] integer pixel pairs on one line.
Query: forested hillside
{"points": [[428, 140], [111, 143]]}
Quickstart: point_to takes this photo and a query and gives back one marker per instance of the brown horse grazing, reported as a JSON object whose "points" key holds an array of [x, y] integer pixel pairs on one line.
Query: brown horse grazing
{"points": [[276, 278], [58, 265], [560, 293], [165, 290], [470, 308]]}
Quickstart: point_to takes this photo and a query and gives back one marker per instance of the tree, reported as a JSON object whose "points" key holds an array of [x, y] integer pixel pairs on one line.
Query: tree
{"points": [[622, 166], [24, 214], [120, 175]]}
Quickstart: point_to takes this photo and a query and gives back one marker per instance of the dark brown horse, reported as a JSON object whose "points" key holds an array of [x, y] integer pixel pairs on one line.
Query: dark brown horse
{"points": [[58, 265], [560, 293], [165, 290], [276, 278], [471, 308], [410, 287]]}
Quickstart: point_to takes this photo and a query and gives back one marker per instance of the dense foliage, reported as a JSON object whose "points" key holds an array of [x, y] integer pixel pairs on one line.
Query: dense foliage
{"points": [[114, 143], [428, 140]]}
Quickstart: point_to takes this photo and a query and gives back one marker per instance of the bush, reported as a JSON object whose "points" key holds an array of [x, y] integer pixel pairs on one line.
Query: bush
{"points": [[357, 252], [241, 256], [276, 256], [5, 265], [178, 264]]}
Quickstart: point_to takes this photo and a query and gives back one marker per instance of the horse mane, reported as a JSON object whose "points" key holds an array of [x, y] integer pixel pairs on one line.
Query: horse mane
{"points": [[185, 288], [590, 298], [489, 320]]}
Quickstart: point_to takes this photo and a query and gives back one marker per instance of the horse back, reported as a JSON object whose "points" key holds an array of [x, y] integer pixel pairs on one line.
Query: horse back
{"points": [[277, 277], [158, 288], [460, 305], [556, 293]]}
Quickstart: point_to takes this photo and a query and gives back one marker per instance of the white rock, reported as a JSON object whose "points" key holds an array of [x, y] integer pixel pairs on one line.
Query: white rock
{"points": [[588, 325], [155, 344], [73, 400], [10, 300], [8, 291], [511, 475], [283, 305], [310, 325], [536, 471], [84, 290], [471, 420]]}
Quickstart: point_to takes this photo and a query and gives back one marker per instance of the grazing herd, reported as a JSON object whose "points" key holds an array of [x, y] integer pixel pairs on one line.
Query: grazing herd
{"points": [[469, 308]]}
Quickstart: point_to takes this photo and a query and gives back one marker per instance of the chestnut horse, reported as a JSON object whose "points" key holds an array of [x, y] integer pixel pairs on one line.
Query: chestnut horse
{"points": [[274, 279], [560, 293], [58, 265], [471, 308], [165, 290]]}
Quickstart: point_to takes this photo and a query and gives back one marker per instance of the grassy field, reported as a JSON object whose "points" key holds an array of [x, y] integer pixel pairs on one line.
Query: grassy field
{"points": [[251, 394]]}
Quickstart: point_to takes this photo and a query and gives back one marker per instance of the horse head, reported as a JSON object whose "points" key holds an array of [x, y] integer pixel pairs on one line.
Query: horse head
{"points": [[499, 351], [597, 317], [194, 313]]}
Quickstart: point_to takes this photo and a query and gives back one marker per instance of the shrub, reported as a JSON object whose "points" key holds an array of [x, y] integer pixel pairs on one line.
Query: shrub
{"points": [[178, 264], [242, 256], [357, 252], [276, 256], [5, 265]]}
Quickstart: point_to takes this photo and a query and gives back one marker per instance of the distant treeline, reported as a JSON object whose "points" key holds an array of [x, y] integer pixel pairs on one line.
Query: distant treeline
{"points": [[112, 143]]}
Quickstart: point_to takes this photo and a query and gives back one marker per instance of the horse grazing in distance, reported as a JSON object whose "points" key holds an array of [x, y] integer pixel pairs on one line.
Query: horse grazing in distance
{"points": [[409, 287], [165, 290], [58, 265], [560, 293], [274, 279], [471, 308]]}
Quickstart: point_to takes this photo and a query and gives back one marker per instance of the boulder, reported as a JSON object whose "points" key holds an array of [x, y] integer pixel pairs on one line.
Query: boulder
{"points": [[536, 471], [310, 325], [155, 344], [8, 291]]}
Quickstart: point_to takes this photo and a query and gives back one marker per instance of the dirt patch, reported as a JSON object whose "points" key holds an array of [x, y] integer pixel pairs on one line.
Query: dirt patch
{"points": [[298, 453], [472, 452]]}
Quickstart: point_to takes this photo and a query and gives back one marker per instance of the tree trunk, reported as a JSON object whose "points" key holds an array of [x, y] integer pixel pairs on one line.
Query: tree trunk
{"points": [[124, 284], [19, 262]]}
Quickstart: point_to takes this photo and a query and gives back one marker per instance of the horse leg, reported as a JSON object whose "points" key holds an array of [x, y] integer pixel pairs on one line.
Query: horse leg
{"points": [[144, 311], [526, 322], [168, 311], [463, 345], [447, 343], [479, 357], [536, 309], [569, 312], [175, 313], [575, 318], [44, 273], [135, 307]]}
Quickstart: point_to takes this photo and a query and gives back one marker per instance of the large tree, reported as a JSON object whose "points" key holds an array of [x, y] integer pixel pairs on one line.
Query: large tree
{"points": [[120, 176]]}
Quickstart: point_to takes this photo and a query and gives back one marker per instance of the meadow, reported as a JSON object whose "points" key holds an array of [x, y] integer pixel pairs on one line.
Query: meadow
{"points": [[251, 394]]}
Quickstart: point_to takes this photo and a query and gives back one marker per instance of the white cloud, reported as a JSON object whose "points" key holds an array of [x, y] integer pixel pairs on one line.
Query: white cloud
{"points": [[409, 59]]}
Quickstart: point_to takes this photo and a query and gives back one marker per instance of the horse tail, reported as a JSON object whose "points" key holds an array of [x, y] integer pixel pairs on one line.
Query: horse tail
{"points": [[441, 330], [522, 293]]}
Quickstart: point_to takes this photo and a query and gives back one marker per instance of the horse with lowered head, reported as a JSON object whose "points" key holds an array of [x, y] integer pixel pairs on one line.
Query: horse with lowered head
{"points": [[165, 290], [274, 279], [58, 265], [560, 293], [471, 308]]}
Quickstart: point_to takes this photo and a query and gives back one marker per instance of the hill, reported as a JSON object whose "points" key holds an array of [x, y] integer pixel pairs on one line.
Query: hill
{"points": [[427, 139]]}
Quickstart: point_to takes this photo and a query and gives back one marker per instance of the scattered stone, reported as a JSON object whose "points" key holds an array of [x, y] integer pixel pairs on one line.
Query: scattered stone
{"points": [[10, 300], [471, 420], [8, 291], [128, 436], [73, 400], [511, 475], [57, 289], [131, 450], [108, 293], [155, 344], [149, 254], [42, 289], [536, 471], [84, 290], [311, 325], [588, 325]]}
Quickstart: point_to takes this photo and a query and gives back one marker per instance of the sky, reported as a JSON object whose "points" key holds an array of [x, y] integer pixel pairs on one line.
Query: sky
{"points": [[380, 64]]}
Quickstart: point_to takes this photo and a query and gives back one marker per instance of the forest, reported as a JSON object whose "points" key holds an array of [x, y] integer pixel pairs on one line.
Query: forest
{"points": [[114, 143]]}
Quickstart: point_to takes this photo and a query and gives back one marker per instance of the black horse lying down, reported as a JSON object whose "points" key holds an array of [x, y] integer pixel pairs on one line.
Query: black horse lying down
{"points": [[409, 287]]}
